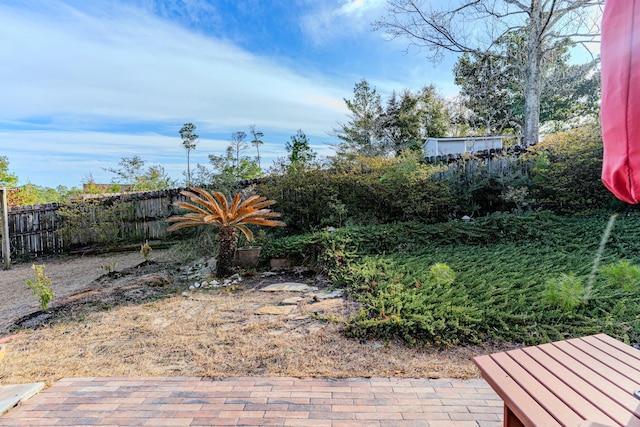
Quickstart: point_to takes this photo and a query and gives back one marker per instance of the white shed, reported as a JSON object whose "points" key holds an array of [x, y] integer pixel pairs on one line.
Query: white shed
{"points": [[459, 145]]}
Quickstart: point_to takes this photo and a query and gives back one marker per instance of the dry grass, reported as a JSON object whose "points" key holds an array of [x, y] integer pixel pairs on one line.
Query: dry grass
{"points": [[213, 333]]}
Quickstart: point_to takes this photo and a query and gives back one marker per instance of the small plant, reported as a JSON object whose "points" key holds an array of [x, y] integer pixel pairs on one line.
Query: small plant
{"points": [[41, 286], [146, 250], [566, 291], [622, 275], [109, 268]]}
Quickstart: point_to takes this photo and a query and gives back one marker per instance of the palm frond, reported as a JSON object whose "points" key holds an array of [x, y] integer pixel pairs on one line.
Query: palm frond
{"points": [[214, 209], [205, 199], [246, 231]]}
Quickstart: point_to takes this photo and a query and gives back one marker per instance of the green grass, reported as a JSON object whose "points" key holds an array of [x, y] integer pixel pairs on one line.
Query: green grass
{"points": [[511, 278]]}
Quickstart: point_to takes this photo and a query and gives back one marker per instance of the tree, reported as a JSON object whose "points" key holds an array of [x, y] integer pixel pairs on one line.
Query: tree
{"points": [[233, 165], [493, 86], [129, 168], [214, 209], [433, 113], [401, 122], [362, 134], [238, 145], [256, 141], [131, 172], [406, 123], [6, 179], [189, 141], [549, 26], [300, 152]]}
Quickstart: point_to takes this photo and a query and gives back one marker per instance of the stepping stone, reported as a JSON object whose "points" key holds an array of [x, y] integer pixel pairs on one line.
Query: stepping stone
{"points": [[292, 301], [320, 296], [325, 305], [11, 395], [272, 309], [289, 286]]}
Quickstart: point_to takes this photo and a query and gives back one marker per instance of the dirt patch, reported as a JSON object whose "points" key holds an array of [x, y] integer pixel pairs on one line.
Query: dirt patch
{"points": [[138, 323]]}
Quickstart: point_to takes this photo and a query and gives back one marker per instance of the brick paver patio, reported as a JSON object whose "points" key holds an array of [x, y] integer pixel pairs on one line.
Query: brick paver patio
{"points": [[260, 401]]}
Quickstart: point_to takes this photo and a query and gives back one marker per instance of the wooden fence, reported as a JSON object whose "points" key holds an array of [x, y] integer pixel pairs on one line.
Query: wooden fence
{"points": [[55, 228]]}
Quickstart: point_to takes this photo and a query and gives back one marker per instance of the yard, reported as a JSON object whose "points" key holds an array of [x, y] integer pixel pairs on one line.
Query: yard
{"points": [[138, 323]]}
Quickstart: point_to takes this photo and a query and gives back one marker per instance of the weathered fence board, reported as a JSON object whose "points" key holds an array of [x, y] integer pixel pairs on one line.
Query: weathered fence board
{"points": [[40, 229]]}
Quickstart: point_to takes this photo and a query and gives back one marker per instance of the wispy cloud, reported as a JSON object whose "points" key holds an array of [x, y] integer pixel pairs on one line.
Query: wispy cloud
{"points": [[327, 22], [124, 64]]}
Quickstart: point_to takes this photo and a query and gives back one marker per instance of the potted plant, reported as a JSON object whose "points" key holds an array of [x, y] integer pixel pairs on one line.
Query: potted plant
{"points": [[248, 256], [214, 209]]}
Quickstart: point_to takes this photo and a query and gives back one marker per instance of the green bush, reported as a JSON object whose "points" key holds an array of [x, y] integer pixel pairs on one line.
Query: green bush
{"points": [[567, 173], [566, 291], [421, 307], [362, 192], [92, 221]]}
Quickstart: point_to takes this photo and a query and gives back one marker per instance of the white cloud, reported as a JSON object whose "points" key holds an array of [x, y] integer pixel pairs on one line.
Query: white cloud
{"points": [[326, 23], [123, 64]]}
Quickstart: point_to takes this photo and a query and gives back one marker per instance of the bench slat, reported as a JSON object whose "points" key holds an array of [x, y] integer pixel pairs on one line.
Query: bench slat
{"points": [[597, 380], [625, 353], [595, 358], [545, 398], [526, 409], [578, 404], [581, 379]]}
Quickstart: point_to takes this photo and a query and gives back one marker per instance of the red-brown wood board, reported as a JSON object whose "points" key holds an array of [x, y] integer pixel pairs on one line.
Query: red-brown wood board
{"points": [[577, 382]]}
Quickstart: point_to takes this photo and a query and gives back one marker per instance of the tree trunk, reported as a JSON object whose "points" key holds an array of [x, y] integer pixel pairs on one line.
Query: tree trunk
{"points": [[188, 170], [227, 240], [533, 76]]}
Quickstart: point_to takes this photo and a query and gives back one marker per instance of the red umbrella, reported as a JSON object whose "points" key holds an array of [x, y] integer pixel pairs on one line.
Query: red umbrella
{"points": [[620, 111]]}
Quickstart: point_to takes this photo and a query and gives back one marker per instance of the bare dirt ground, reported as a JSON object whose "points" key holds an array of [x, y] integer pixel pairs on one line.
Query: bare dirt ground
{"points": [[137, 322]]}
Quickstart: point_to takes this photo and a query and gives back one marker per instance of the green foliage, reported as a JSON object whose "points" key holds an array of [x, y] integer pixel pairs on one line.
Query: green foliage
{"points": [[145, 251], [504, 265], [479, 188], [403, 124], [229, 168], [361, 135], [420, 306], [366, 191], [109, 268], [31, 194], [7, 179], [567, 173], [189, 142], [131, 172], [41, 286], [92, 221], [566, 291], [299, 151], [622, 275], [492, 85]]}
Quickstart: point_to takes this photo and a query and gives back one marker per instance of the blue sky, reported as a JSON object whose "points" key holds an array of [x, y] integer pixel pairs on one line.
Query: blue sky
{"points": [[85, 83]]}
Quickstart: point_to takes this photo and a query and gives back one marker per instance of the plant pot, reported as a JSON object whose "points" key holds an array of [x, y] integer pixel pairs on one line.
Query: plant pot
{"points": [[248, 256], [3, 350], [279, 263]]}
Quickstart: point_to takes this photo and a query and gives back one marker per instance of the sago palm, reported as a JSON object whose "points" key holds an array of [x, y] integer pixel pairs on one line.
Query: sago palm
{"points": [[214, 209]]}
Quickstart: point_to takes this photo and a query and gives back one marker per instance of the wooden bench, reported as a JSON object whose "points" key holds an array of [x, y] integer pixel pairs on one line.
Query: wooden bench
{"points": [[579, 382]]}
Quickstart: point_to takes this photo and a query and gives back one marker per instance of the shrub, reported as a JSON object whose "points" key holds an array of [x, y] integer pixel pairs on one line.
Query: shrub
{"points": [[361, 192], [41, 286], [566, 291], [424, 307], [622, 275], [567, 173], [92, 221]]}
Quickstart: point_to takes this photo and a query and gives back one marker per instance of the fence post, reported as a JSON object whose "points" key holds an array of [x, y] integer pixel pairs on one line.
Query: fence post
{"points": [[6, 249]]}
